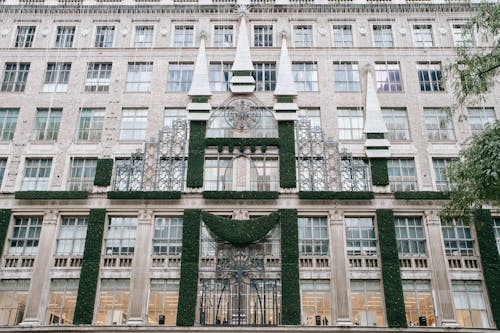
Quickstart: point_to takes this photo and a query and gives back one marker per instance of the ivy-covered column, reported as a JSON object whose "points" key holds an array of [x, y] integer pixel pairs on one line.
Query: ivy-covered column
{"points": [[103, 172], [4, 226], [196, 154], [286, 131], [89, 274], [380, 175], [391, 275], [490, 259]]}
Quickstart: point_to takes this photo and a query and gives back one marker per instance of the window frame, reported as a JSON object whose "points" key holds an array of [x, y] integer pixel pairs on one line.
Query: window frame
{"points": [[430, 77], [8, 123], [265, 75], [131, 128], [139, 77], [266, 29], [56, 78], [183, 43], [67, 296], [25, 230], [349, 71], [221, 32], [402, 182], [410, 236], [182, 70], [313, 236], [393, 76], [354, 116], [165, 230], [304, 84], [397, 123], [381, 40], [15, 79], [423, 35], [27, 37], [359, 232], [485, 115], [104, 36], [121, 231], [307, 39], [85, 173], [46, 128], [42, 171], [223, 69], [460, 233], [438, 125], [343, 42], [145, 43], [96, 119], [441, 178], [75, 236], [100, 83], [65, 36]]}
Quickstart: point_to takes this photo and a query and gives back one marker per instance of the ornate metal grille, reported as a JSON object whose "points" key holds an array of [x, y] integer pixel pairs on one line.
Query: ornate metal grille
{"points": [[354, 173]]}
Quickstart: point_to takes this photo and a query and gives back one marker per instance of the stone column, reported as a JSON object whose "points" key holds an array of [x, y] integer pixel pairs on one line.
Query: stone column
{"points": [[139, 279], [338, 269], [40, 279]]}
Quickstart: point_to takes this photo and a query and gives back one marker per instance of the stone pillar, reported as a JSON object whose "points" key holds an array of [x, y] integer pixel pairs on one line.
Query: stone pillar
{"points": [[139, 279], [40, 279], [338, 269]]}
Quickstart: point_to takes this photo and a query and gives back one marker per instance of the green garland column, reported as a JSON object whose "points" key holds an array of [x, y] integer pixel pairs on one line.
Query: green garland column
{"points": [[290, 298], [391, 275], [490, 259], [4, 226], [103, 172], [89, 274], [287, 162], [188, 287], [196, 154], [380, 174]]}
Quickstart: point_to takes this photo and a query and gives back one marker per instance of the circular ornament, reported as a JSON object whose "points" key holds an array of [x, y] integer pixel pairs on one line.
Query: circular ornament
{"points": [[242, 114]]}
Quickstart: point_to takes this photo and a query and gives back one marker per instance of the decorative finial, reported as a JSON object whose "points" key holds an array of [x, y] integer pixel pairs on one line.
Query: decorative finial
{"points": [[203, 34], [283, 33], [242, 10], [368, 68]]}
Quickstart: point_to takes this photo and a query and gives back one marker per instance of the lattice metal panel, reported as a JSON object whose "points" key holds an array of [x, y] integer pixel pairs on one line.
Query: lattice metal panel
{"points": [[354, 173]]}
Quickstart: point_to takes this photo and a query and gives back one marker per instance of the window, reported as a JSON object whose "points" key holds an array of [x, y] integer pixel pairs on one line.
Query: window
{"points": [[47, 122], [342, 36], [139, 77], [62, 301], [104, 36], [457, 238], [8, 122], [180, 76], [167, 237], [396, 121], [25, 35], [81, 174], [120, 237], [346, 76], [90, 124], [144, 35], [440, 166], [388, 76], [354, 175], [430, 77], [402, 175], [171, 115], [57, 77], [360, 236], [3, 165], [460, 37], [316, 301], [13, 296], [98, 77], [265, 76], [382, 36], [112, 305], [223, 36], [15, 76], [350, 123], [263, 35], [410, 236], [183, 36], [163, 300], [470, 306], [479, 117], [302, 36], [366, 303], [496, 227], [438, 125], [220, 76], [422, 35], [36, 174], [25, 236], [305, 75], [313, 236], [71, 238], [133, 124], [311, 114], [128, 175], [418, 302], [65, 36]]}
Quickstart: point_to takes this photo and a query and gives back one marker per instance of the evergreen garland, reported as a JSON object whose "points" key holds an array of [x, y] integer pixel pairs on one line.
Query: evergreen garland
{"points": [[249, 195], [336, 195], [169, 195], [196, 154], [103, 172], [287, 162], [242, 142], [422, 195], [4, 226], [380, 175], [51, 195]]}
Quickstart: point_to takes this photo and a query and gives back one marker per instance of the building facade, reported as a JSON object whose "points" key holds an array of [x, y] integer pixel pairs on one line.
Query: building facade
{"points": [[208, 164]]}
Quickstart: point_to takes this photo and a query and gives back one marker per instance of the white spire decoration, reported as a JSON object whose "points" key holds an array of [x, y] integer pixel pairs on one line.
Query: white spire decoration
{"points": [[242, 81], [200, 85], [285, 85]]}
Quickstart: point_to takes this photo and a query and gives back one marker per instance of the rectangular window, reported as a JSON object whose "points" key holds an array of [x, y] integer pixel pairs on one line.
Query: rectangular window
{"points": [[98, 77], [313, 236], [366, 300], [13, 296], [57, 77], [133, 124], [65, 36], [62, 301], [462, 38], [430, 76], [8, 123], [144, 35], [303, 35], [15, 76], [360, 236], [418, 302], [470, 305], [3, 165], [36, 174], [305, 75], [112, 306], [104, 35], [263, 35], [402, 175], [220, 76], [71, 237], [313, 115], [422, 35], [183, 36], [25, 236], [388, 76], [81, 174], [139, 77], [496, 227], [316, 302], [180, 76], [163, 300], [90, 124], [128, 175], [171, 115], [439, 125], [457, 238], [342, 35], [479, 117], [382, 36], [120, 236], [167, 237], [354, 174], [346, 76], [440, 166], [351, 123], [265, 76], [223, 36], [396, 121], [24, 36], [47, 123], [410, 236]]}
